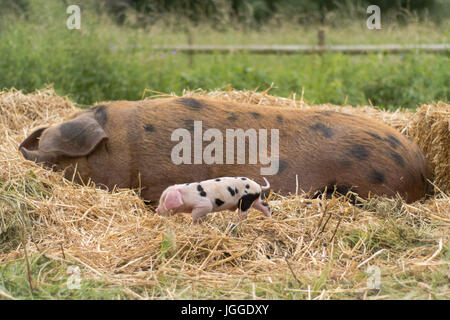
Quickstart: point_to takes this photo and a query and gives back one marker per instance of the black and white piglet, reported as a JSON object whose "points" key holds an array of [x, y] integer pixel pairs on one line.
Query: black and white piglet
{"points": [[201, 198]]}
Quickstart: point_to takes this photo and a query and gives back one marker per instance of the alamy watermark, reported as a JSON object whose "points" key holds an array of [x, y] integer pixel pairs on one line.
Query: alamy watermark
{"points": [[74, 20], [374, 21], [213, 153], [74, 280], [374, 280]]}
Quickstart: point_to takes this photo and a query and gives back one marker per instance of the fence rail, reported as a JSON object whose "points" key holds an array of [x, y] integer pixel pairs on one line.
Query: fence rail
{"points": [[307, 49]]}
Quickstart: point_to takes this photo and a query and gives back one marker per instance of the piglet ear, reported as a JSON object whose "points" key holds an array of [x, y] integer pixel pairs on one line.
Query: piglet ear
{"points": [[173, 199]]}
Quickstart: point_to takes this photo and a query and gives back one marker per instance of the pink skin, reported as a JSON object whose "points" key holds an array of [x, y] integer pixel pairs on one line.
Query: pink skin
{"points": [[188, 199]]}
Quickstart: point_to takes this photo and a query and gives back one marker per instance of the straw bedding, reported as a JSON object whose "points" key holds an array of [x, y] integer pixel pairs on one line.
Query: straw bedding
{"points": [[115, 237]]}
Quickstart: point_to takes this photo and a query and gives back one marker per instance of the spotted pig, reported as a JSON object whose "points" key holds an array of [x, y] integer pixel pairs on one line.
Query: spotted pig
{"points": [[128, 144], [201, 198]]}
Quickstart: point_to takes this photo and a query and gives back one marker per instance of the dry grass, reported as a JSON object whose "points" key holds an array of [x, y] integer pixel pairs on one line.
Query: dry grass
{"points": [[430, 128], [309, 249]]}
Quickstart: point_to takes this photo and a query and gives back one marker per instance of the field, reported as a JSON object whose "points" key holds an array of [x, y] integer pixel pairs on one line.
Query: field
{"points": [[311, 249], [103, 61], [59, 240]]}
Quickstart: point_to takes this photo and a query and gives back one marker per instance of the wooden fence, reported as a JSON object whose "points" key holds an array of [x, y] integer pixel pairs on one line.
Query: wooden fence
{"points": [[307, 49], [321, 47]]}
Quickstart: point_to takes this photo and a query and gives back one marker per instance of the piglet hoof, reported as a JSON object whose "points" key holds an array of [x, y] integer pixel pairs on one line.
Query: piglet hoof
{"points": [[243, 216], [198, 220]]}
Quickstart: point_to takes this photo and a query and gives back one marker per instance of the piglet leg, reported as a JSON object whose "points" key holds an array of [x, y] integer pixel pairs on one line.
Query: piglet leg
{"points": [[199, 214], [243, 214]]}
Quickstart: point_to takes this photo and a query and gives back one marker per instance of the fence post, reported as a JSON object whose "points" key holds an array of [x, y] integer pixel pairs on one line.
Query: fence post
{"points": [[321, 40], [190, 40]]}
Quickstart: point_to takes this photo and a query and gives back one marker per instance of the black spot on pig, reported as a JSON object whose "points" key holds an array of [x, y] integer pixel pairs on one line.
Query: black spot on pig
{"points": [[282, 165], [149, 128], [325, 131], [255, 115], [243, 178], [393, 141], [247, 186], [376, 177], [232, 117], [374, 135], [217, 179], [219, 202], [358, 151], [201, 190], [246, 201], [280, 119], [397, 158], [189, 125], [231, 191], [190, 103]]}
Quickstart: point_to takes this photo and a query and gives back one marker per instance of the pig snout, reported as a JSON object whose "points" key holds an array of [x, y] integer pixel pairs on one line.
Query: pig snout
{"points": [[263, 207], [162, 212]]}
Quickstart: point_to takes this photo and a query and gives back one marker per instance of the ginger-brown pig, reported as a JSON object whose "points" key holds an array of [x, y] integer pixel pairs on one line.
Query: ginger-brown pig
{"points": [[136, 144]]}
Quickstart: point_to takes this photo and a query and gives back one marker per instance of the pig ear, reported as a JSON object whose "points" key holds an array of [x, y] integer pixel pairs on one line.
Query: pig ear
{"points": [[173, 199], [74, 138], [32, 141]]}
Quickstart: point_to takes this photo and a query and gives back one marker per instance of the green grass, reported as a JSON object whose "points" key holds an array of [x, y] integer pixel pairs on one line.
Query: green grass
{"points": [[15, 220], [51, 280], [103, 61]]}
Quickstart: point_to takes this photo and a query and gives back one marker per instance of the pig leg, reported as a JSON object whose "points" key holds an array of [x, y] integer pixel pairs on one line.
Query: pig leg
{"points": [[263, 207], [243, 214], [199, 213]]}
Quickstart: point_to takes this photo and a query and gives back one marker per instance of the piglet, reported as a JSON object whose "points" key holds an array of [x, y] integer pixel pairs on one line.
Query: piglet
{"points": [[201, 198]]}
